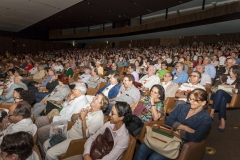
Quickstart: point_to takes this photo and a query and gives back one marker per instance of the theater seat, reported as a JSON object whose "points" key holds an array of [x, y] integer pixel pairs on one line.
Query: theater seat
{"points": [[76, 147], [192, 150]]}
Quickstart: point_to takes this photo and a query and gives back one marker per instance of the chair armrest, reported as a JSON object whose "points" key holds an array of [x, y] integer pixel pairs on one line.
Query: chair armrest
{"points": [[75, 147], [142, 134], [235, 102], [192, 150], [70, 124], [71, 80], [42, 89]]}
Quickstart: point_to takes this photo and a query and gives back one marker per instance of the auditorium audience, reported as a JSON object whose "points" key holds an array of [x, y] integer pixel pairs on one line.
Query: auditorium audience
{"points": [[191, 120], [58, 94], [87, 122], [8, 97], [120, 115]]}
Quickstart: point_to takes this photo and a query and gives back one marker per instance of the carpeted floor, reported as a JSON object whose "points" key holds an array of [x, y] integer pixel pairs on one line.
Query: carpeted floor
{"points": [[226, 144]]}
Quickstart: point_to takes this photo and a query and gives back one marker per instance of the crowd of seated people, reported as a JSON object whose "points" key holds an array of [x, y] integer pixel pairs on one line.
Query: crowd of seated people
{"points": [[130, 83]]}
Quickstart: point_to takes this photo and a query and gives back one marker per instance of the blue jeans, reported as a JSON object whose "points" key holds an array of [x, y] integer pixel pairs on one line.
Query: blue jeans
{"points": [[40, 96], [220, 100], [145, 153]]}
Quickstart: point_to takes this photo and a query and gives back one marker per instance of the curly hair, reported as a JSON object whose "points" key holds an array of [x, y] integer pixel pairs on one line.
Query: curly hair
{"points": [[20, 143], [161, 91], [124, 109], [26, 95]]}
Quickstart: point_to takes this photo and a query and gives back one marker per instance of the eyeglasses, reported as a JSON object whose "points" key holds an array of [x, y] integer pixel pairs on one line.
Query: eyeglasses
{"points": [[166, 76], [16, 98], [193, 100], [194, 76]]}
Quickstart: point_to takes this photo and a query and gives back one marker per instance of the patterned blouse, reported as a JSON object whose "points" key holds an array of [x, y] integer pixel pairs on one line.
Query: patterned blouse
{"points": [[146, 115]]}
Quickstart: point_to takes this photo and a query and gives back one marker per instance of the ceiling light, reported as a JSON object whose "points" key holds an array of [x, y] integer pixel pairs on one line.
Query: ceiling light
{"points": [[119, 15]]}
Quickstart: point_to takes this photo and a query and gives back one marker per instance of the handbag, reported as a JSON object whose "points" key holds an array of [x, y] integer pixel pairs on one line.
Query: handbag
{"points": [[102, 145], [163, 140], [135, 126]]}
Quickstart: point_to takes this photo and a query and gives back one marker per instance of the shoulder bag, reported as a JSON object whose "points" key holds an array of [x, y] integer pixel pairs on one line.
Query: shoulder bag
{"points": [[164, 140], [102, 145]]}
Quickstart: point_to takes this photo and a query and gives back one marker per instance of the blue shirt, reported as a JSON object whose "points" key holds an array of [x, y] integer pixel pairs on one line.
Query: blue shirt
{"points": [[181, 78], [211, 70], [46, 81], [200, 122]]}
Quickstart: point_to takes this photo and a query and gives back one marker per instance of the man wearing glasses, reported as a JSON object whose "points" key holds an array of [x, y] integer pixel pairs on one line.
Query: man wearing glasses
{"points": [[20, 117], [185, 88]]}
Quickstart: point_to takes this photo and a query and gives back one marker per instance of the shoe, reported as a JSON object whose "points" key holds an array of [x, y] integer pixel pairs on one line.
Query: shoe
{"points": [[221, 129]]}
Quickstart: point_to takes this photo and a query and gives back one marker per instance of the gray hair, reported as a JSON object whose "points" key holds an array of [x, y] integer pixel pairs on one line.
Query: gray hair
{"points": [[153, 67], [98, 62], [81, 87]]}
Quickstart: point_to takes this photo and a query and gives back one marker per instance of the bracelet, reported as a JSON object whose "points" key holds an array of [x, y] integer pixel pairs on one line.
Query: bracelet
{"points": [[153, 105]]}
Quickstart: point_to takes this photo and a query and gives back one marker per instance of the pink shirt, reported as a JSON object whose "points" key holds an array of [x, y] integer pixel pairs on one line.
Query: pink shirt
{"points": [[121, 141]]}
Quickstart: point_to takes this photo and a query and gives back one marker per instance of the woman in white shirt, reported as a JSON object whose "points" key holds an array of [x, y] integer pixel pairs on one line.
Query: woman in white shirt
{"points": [[121, 113], [87, 122]]}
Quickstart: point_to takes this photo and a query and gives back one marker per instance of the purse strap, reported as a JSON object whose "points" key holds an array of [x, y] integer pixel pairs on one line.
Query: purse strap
{"points": [[167, 129]]}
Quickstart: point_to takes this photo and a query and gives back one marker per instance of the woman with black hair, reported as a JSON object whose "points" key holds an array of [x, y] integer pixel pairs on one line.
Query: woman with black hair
{"points": [[120, 115], [151, 108]]}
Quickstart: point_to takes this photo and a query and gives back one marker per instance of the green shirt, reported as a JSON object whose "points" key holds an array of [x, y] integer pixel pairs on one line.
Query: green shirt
{"points": [[161, 73], [68, 72]]}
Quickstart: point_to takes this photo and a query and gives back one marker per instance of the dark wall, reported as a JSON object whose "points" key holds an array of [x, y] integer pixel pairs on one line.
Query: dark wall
{"points": [[21, 45]]}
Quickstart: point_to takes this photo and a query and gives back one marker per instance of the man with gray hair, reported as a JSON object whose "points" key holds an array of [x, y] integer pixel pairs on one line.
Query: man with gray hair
{"points": [[75, 102], [209, 69], [149, 80], [99, 68], [85, 77]]}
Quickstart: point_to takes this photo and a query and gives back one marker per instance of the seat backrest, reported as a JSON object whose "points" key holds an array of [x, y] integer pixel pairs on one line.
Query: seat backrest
{"points": [[5, 105], [92, 91], [128, 154], [192, 150], [169, 104], [102, 84]]}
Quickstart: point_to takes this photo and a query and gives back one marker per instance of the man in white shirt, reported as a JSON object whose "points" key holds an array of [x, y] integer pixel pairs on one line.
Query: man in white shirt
{"points": [[19, 115], [185, 88], [58, 67], [75, 102], [221, 58], [34, 70], [206, 80], [149, 80]]}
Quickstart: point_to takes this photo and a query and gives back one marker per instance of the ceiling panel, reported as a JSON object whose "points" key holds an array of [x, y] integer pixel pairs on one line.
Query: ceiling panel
{"points": [[29, 12]]}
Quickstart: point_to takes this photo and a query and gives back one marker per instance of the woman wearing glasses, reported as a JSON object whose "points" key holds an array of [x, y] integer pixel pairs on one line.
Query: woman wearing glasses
{"points": [[191, 121]]}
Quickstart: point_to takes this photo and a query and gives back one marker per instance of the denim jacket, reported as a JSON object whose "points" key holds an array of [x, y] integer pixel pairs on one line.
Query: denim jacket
{"points": [[200, 122], [113, 92]]}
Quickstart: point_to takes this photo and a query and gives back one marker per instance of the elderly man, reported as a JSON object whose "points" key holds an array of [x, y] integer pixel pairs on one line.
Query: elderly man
{"points": [[99, 68], [149, 80], [185, 88], [209, 69], [169, 86], [206, 80], [127, 93], [85, 77], [68, 70], [180, 76], [40, 74], [17, 84], [132, 70], [75, 102], [20, 117]]}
